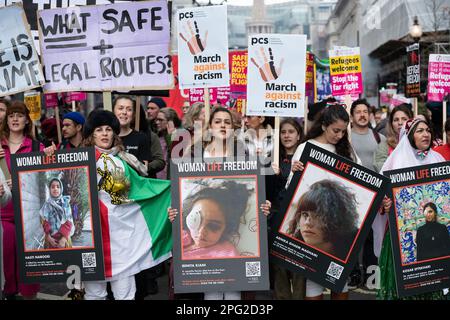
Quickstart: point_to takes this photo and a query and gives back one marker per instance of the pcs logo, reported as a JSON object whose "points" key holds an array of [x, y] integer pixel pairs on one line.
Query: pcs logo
{"points": [[185, 15], [259, 41]]}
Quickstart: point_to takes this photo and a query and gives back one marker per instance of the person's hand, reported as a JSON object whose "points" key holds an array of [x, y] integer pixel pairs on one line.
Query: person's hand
{"points": [[172, 213], [297, 166], [52, 242], [50, 149], [265, 207], [192, 38], [387, 203], [2, 153], [276, 168], [62, 243], [9, 183], [2, 190]]}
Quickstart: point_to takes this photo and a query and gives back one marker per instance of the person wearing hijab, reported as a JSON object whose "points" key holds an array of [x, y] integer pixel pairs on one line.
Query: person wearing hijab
{"points": [[56, 217], [413, 149]]}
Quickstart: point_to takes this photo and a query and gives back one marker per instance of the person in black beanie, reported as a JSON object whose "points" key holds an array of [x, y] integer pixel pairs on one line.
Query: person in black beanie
{"points": [[153, 107]]}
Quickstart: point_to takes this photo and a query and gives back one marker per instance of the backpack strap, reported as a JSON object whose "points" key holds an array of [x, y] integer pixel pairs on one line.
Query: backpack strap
{"points": [[376, 135]]}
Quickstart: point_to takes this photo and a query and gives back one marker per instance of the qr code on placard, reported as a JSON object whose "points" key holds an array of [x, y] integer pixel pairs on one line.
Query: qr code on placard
{"points": [[253, 269], [335, 270], [88, 259]]}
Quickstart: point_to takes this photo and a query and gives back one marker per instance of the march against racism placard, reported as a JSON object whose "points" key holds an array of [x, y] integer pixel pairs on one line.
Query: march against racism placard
{"points": [[419, 223], [123, 46], [326, 216], [346, 71], [413, 71], [20, 69], [438, 77], [219, 234], [276, 75], [57, 215], [203, 47]]}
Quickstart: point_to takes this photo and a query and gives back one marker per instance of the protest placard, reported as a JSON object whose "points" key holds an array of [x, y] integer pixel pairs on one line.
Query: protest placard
{"points": [[20, 69], [345, 71], [221, 249], [419, 223], [325, 217], [57, 214], [413, 71], [438, 77], [203, 47], [276, 75], [238, 73], [32, 100], [123, 46]]}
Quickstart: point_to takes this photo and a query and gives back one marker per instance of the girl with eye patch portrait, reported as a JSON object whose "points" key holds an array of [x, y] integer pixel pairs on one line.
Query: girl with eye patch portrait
{"points": [[211, 218]]}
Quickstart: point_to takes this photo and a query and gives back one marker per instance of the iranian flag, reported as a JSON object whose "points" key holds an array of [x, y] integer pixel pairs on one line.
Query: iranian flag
{"points": [[136, 232]]}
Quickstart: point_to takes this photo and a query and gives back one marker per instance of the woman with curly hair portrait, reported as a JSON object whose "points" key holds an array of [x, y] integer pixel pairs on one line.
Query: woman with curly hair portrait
{"points": [[326, 218], [211, 218]]}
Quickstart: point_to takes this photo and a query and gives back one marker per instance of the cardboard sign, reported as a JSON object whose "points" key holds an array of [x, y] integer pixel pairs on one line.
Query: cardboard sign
{"points": [[123, 46], [238, 259], [276, 75], [326, 216], [413, 71], [438, 77], [203, 47], [310, 77], [20, 69], [420, 238], [32, 100], [345, 71], [238, 74], [53, 237]]}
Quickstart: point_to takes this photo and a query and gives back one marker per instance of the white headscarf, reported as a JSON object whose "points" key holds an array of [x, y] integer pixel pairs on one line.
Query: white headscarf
{"points": [[403, 156]]}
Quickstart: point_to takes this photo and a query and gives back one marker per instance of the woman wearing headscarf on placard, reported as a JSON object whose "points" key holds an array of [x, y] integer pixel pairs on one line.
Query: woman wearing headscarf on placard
{"points": [[413, 149]]}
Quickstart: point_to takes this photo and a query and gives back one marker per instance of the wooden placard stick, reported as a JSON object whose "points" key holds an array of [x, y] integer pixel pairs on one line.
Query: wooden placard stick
{"points": [[107, 100], [305, 112], [58, 124], [137, 116], [444, 119], [415, 106], [207, 104], [276, 148]]}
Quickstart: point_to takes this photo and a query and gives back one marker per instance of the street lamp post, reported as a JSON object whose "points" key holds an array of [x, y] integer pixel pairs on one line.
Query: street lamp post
{"points": [[415, 31]]}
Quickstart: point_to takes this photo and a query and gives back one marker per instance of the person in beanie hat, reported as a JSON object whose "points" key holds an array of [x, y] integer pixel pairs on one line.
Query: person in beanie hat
{"points": [[72, 130], [126, 202], [15, 138], [153, 106]]}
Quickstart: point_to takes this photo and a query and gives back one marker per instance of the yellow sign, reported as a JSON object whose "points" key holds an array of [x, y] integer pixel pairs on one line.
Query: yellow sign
{"points": [[345, 64], [32, 100]]}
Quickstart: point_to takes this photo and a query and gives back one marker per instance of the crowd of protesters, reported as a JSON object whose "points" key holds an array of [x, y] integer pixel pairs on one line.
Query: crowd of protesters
{"points": [[377, 140]]}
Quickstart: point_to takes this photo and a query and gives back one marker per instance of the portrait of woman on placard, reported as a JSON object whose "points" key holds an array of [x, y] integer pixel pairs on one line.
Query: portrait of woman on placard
{"points": [[433, 239], [56, 217], [326, 218], [211, 219]]}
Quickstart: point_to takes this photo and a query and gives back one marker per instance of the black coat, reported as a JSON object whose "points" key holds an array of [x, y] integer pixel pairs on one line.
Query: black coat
{"points": [[433, 240]]}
